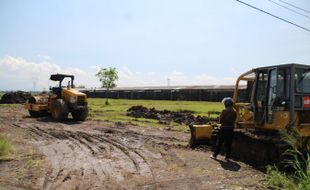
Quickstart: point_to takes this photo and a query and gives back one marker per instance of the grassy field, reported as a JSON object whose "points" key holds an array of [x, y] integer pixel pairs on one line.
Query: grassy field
{"points": [[116, 112]]}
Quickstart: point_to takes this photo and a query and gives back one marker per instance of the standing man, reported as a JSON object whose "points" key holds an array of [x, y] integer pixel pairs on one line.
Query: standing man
{"points": [[227, 120]]}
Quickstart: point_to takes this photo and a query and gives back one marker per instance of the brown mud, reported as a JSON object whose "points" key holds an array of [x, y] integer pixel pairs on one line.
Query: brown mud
{"points": [[101, 155], [166, 116]]}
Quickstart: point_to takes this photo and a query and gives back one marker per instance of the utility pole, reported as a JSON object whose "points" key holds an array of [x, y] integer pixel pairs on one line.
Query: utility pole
{"points": [[34, 81], [168, 81]]}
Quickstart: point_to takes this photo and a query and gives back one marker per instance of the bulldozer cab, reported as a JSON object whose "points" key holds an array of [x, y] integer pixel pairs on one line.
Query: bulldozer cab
{"points": [[277, 89], [59, 78], [271, 93]]}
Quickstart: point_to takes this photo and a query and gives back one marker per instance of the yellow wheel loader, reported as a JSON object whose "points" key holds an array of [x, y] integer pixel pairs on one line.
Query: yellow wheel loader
{"points": [[60, 101], [278, 98]]}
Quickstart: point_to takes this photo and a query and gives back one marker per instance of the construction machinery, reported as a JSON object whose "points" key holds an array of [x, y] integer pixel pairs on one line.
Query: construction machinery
{"points": [[60, 101], [276, 98]]}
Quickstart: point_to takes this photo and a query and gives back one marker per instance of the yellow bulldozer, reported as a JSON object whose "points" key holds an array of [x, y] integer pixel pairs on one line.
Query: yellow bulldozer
{"points": [[277, 98], [60, 101]]}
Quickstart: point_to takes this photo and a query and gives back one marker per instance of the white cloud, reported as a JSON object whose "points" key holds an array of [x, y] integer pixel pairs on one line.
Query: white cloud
{"points": [[229, 80], [151, 73], [205, 79], [20, 74], [178, 78], [95, 67], [130, 78], [126, 73]]}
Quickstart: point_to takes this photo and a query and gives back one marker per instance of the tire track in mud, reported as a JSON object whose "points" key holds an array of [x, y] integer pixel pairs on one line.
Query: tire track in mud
{"points": [[137, 153], [61, 169], [87, 141], [93, 146], [136, 135], [75, 141], [101, 155], [123, 148]]}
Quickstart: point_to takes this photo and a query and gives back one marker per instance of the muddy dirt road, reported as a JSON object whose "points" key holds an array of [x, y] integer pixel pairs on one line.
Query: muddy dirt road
{"points": [[100, 155]]}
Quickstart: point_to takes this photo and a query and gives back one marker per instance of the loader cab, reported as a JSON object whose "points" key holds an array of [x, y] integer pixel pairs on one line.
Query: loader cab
{"points": [[281, 89]]}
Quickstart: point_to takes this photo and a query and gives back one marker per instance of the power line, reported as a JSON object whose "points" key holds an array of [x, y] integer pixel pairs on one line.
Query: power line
{"points": [[289, 9], [294, 6], [304, 28]]}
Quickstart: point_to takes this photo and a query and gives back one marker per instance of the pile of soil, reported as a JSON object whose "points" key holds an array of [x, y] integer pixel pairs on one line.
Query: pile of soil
{"points": [[17, 97], [166, 116]]}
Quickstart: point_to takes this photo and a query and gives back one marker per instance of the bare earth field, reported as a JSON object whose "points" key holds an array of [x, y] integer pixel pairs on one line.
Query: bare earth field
{"points": [[101, 155]]}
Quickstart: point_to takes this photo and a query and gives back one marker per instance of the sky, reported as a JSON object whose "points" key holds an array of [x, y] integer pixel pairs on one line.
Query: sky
{"points": [[149, 42]]}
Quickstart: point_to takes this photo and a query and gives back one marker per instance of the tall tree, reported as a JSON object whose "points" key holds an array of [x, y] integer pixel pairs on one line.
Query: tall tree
{"points": [[108, 78]]}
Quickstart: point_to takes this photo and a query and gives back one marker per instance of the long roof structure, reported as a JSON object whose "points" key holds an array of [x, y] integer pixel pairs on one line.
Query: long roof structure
{"points": [[196, 87]]}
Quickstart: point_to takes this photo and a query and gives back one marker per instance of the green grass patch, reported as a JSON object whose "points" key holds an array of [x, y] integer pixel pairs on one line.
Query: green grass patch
{"points": [[298, 180], [5, 147], [276, 179], [116, 111], [33, 163]]}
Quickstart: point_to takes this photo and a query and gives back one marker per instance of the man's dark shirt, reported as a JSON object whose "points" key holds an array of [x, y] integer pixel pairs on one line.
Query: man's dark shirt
{"points": [[228, 117]]}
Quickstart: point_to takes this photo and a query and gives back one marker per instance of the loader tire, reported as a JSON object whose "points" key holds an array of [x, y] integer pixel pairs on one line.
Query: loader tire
{"points": [[80, 114], [59, 110]]}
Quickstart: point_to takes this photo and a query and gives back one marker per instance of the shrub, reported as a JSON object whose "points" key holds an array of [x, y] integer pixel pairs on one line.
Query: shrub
{"points": [[276, 179], [298, 162]]}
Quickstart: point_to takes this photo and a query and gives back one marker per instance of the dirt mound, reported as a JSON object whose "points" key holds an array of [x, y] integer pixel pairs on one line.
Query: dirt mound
{"points": [[166, 116], [15, 97]]}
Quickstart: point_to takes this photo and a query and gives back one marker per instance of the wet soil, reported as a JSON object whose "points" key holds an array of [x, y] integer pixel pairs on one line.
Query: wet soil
{"points": [[101, 155], [166, 116]]}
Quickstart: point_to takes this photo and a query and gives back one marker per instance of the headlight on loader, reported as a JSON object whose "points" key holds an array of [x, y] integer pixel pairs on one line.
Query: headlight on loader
{"points": [[72, 99]]}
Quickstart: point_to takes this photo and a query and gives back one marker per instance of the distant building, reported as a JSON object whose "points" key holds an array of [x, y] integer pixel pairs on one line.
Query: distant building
{"points": [[196, 93]]}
